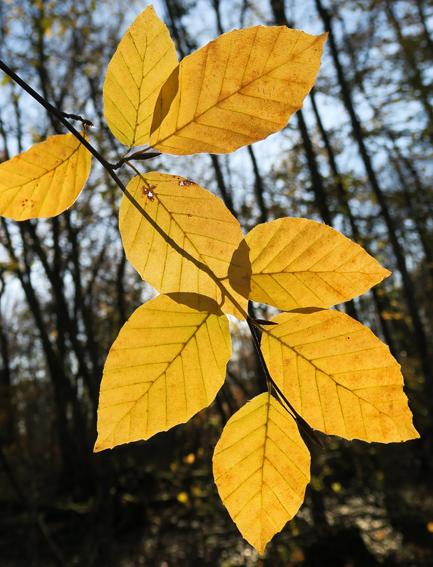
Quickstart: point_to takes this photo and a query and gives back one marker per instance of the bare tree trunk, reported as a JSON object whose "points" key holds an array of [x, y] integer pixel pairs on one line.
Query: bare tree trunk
{"points": [[319, 190], [259, 186], [424, 238], [423, 21], [413, 72], [223, 189]]}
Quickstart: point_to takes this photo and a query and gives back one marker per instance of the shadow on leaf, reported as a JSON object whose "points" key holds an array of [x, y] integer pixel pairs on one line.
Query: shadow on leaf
{"points": [[196, 301], [240, 270], [165, 98]]}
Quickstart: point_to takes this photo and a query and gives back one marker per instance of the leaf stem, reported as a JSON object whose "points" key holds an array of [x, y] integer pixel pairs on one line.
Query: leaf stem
{"points": [[270, 383], [141, 156]]}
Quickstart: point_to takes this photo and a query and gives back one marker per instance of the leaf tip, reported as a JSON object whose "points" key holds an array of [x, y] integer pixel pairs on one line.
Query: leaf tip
{"points": [[413, 434], [100, 446], [324, 36], [386, 273]]}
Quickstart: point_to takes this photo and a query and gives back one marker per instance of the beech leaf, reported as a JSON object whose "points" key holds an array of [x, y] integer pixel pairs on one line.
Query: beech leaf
{"points": [[195, 220], [167, 363], [45, 180], [296, 262], [237, 89], [338, 376], [143, 61], [261, 468]]}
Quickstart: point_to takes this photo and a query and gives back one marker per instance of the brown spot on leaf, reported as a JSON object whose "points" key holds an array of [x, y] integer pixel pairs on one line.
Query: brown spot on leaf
{"points": [[28, 203]]}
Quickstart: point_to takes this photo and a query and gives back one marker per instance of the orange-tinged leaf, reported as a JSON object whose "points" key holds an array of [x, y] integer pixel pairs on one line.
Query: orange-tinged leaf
{"points": [[167, 363], [235, 90], [195, 220], [338, 375], [295, 262], [45, 180], [261, 468], [143, 61]]}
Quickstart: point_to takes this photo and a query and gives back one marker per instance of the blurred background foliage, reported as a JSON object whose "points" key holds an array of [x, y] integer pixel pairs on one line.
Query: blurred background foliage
{"points": [[358, 156]]}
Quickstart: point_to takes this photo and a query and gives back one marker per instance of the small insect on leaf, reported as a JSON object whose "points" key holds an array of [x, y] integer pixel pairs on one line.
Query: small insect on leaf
{"points": [[45, 180], [261, 468], [235, 90], [167, 363]]}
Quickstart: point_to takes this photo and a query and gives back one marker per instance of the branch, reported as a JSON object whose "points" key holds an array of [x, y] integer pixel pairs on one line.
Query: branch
{"points": [[306, 428], [110, 168]]}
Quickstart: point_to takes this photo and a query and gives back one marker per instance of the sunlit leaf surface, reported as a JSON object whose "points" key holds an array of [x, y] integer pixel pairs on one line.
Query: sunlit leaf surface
{"points": [[261, 468]]}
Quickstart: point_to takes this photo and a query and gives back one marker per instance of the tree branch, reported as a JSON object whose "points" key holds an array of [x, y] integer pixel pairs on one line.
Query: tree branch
{"points": [[110, 168]]}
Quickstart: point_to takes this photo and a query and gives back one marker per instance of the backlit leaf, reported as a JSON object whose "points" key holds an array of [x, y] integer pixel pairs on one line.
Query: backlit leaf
{"points": [[143, 61], [338, 375], [261, 467], [297, 262], [45, 180], [196, 220], [235, 90], [167, 363]]}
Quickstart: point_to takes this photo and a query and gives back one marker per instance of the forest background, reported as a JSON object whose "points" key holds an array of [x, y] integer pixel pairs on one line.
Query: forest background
{"points": [[358, 156]]}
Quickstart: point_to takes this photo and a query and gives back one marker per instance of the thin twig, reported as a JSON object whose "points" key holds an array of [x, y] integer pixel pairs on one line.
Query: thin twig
{"points": [[77, 117], [306, 428]]}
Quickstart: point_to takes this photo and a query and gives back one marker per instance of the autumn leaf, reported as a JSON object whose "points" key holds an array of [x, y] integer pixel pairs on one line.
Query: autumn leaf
{"points": [[294, 263], [45, 180], [235, 90], [143, 61], [197, 221], [167, 363], [261, 468], [338, 376]]}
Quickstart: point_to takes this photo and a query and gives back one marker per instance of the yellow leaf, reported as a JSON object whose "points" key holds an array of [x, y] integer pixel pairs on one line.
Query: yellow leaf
{"points": [[338, 375], [141, 64], [261, 468], [167, 363], [295, 263], [196, 220], [235, 90], [45, 180]]}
